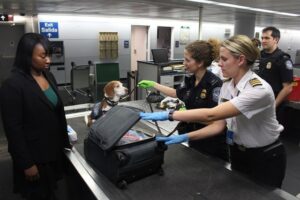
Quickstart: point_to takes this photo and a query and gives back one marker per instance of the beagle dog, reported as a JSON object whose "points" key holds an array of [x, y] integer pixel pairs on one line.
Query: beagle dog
{"points": [[113, 91]]}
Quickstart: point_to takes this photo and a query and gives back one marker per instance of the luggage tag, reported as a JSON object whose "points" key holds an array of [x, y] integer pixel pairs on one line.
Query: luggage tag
{"points": [[229, 137], [229, 132]]}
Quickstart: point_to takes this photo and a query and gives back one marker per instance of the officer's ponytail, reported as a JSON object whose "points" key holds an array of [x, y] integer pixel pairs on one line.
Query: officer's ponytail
{"points": [[204, 51], [215, 48]]}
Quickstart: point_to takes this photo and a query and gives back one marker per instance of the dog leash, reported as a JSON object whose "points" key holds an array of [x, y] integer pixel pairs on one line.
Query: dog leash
{"points": [[151, 108], [128, 95], [173, 131]]}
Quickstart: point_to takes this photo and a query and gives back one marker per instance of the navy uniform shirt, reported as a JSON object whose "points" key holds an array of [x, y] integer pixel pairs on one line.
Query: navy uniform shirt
{"points": [[204, 95], [276, 68]]}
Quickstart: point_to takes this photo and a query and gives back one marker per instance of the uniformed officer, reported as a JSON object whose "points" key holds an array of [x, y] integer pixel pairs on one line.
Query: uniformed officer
{"points": [[247, 108], [201, 90], [276, 68]]}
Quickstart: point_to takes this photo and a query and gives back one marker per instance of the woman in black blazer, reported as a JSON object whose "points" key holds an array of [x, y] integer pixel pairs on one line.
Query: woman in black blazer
{"points": [[34, 120]]}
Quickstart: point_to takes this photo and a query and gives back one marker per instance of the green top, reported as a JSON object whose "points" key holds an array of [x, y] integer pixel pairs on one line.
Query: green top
{"points": [[50, 94]]}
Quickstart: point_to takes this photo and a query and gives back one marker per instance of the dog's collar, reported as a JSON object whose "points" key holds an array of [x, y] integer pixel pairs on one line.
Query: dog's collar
{"points": [[110, 102]]}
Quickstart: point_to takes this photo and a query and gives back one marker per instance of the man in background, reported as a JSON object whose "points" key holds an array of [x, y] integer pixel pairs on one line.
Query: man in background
{"points": [[276, 67]]}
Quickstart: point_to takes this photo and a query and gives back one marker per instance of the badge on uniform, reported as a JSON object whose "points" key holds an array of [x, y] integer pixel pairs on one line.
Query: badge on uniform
{"points": [[289, 65], [269, 65], [203, 94]]}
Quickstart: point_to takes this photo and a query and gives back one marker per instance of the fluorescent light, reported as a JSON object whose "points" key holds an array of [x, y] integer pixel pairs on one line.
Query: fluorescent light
{"points": [[245, 7]]}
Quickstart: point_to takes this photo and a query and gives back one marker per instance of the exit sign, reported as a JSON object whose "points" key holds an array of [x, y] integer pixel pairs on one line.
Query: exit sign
{"points": [[6, 18], [49, 29]]}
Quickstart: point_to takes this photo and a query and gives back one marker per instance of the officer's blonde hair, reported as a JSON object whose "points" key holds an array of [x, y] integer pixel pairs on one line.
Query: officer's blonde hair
{"points": [[242, 45], [206, 51]]}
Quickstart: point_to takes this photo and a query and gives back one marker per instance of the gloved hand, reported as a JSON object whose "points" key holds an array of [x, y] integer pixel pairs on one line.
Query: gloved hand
{"points": [[155, 116], [145, 84], [173, 139]]}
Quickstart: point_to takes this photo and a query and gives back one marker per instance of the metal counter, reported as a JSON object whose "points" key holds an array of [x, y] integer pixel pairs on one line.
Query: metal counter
{"points": [[188, 174], [294, 104]]}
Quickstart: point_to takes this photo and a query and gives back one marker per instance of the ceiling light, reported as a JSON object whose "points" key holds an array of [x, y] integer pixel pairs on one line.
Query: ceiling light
{"points": [[245, 7]]}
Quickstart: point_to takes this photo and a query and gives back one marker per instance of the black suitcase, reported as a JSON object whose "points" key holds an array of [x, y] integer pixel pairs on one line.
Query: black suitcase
{"points": [[123, 159]]}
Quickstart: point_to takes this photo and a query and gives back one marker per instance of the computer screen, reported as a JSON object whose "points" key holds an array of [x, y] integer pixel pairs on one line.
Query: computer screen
{"points": [[160, 55]]}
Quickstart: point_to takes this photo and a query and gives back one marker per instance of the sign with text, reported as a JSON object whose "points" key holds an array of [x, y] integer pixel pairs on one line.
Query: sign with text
{"points": [[126, 44], [184, 36], [49, 29]]}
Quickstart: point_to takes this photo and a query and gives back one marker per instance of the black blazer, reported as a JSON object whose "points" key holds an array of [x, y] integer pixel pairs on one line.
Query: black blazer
{"points": [[36, 130]]}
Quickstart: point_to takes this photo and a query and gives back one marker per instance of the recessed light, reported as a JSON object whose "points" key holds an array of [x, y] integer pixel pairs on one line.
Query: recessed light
{"points": [[229, 5]]}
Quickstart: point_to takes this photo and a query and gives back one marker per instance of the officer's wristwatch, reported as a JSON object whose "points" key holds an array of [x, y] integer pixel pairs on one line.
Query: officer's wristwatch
{"points": [[171, 115]]}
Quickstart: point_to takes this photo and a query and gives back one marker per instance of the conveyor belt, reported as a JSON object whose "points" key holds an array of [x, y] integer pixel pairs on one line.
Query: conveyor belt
{"points": [[188, 175]]}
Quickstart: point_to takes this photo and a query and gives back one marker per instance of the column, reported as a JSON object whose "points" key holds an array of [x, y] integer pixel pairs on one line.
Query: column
{"points": [[244, 24], [200, 23]]}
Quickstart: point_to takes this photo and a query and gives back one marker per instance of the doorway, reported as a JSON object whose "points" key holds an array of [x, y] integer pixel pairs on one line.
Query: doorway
{"points": [[139, 47], [9, 37], [164, 37]]}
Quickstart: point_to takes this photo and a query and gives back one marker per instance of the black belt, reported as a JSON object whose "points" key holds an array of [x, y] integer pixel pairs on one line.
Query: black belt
{"points": [[258, 149]]}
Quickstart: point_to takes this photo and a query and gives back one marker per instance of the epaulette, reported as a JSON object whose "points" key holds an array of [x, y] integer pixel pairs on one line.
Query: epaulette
{"points": [[226, 80], [255, 82], [286, 56]]}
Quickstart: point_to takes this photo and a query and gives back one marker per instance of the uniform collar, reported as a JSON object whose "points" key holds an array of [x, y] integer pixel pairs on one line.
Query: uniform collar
{"points": [[264, 53], [202, 82], [242, 83]]}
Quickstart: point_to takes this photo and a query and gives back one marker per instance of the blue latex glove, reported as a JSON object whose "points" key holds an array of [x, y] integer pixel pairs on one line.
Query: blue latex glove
{"points": [[173, 139], [155, 116]]}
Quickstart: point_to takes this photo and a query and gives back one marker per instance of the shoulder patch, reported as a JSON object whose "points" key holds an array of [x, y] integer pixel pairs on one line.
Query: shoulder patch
{"points": [[286, 56], [289, 64], [255, 82], [216, 94]]}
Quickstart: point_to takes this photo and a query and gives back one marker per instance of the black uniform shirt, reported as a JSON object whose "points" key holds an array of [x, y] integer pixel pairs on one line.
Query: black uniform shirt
{"points": [[276, 68], [203, 95]]}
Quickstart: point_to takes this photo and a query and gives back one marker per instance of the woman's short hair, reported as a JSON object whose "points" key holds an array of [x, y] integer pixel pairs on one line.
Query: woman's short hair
{"points": [[242, 45], [206, 51], [28, 41]]}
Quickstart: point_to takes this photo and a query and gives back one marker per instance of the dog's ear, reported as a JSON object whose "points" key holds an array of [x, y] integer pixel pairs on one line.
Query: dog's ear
{"points": [[109, 89]]}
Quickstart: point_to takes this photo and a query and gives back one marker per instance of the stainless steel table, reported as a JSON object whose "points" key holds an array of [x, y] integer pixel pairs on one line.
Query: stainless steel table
{"points": [[188, 175]]}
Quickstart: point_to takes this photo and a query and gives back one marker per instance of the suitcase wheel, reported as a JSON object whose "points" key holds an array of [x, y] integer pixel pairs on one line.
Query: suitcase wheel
{"points": [[161, 172], [122, 184]]}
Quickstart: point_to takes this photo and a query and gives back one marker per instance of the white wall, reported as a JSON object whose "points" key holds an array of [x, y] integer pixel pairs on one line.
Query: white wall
{"points": [[80, 35], [289, 40], [215, 30]]}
